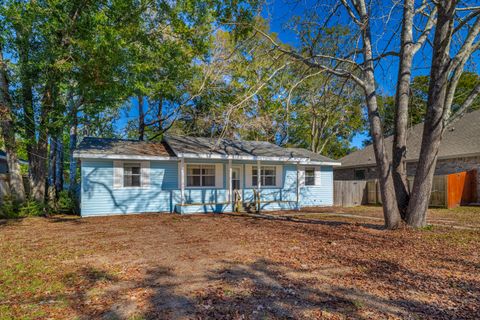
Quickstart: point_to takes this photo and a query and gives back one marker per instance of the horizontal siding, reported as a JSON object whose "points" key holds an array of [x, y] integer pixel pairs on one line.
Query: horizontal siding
{"points": [[100, 198], [321, 195]]}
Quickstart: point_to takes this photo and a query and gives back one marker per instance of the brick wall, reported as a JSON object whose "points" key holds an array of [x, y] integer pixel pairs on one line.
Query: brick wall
{"points": [[349, 173]]}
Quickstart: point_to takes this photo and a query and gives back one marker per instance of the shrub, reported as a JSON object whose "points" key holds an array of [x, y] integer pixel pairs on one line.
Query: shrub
{"points": [[8, 209], [31, 208], [67, 203]]}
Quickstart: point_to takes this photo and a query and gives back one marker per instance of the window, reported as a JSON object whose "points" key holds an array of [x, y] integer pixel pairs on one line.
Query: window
{"points": [[132, 175], [360, 174], [309, 176], [268, 176], [200, 175]]}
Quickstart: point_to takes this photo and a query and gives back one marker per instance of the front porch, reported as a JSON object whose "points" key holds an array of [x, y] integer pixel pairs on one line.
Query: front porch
{"points": [[238, 186]]}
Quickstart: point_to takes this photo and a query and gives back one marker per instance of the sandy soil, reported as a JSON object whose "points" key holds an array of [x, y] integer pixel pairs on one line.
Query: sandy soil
{"points": [[235, 267]]}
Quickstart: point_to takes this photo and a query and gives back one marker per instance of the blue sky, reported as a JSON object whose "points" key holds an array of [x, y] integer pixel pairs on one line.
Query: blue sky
{"points": [[280, 12]]}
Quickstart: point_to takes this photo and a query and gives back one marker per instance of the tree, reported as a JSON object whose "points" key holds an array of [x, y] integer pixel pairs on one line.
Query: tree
{"points": [[445, 74], [325, 117], [418, 100], [7, 127]]}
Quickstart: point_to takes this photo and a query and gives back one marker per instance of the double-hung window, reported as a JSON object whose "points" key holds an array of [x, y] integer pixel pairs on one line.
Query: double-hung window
{"points": [[132, 175], [309, 176], [268, 176], [200, 175]]}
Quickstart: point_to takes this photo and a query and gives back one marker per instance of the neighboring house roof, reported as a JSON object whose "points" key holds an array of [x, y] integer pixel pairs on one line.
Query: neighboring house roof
{"points": [[194, 147], [121, 148], [3, 156], [461, 139]]}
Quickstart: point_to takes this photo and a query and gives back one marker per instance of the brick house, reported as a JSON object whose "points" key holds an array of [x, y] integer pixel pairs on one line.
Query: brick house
{"points": [[459, 151]]}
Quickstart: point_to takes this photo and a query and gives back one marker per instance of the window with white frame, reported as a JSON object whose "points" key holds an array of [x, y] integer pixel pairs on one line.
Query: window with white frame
{"points": [[200, 175], [132, 175], [268, 176], [309, 176]]}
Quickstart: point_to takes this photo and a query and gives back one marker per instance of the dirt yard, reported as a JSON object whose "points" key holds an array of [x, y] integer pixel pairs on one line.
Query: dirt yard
{"points": [[236, 267]]}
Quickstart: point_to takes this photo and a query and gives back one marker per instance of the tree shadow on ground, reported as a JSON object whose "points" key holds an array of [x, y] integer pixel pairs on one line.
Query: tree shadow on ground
{"points": [[331, 223], [259, 290], [66, 219]]}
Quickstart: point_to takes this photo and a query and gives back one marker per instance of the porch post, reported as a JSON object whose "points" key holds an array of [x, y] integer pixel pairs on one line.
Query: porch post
{"points": [[182, 180], [259, 184], [229, 181], [259, 181], [298, 187]]}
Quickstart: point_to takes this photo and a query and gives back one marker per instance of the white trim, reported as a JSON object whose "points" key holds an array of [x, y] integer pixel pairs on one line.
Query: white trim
{"points": [[319, 163], [318, 176], [120, 156], [229, 181], [200, 156], [118, 175], [257, 158], [298, 186], [259, 175], [186, 164]]}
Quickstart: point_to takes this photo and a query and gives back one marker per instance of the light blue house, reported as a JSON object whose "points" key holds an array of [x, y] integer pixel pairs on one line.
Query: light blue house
{"points": [[198, 175]]}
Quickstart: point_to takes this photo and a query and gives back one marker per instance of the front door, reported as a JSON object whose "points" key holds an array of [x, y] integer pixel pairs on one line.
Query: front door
{"points": [[236, 181]]}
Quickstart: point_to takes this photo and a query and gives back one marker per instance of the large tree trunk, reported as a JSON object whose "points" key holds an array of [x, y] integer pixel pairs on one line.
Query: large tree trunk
{"points": [[434, 121], [8, 133], [399, 148], [387, 189], [52, 171], [29, 125], [59, 165], [141, 119], [72, 188], [40, 154]]}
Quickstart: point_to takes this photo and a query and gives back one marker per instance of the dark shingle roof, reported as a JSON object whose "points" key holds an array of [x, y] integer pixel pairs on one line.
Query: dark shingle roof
{"points": [[460, 139], [229, 147], [200, 145], [91, 145], [193, 146]]}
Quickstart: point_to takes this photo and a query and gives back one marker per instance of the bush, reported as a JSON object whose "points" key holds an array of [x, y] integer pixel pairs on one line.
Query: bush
{"points": [[8, 209], [66, 202], [31, 208]]}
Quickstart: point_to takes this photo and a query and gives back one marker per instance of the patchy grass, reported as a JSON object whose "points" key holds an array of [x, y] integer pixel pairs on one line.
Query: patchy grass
{"points": [[466, 216], [227, 266]]}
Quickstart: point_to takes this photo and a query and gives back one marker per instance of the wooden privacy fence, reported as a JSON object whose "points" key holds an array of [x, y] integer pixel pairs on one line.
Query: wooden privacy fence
{"points": [[437, 196], [349, 193], [448, 191]]}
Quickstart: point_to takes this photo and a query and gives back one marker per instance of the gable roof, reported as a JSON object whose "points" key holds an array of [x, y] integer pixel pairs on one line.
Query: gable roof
{"points": [[194, 147], [216, 148], [461, 139], [3, 156], [122, 148]]}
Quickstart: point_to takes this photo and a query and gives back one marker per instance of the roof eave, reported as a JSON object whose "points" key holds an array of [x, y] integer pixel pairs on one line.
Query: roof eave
{"points": [[82, 155]]}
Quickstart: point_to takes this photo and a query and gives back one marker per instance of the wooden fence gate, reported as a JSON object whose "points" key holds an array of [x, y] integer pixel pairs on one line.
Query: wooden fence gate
{"points": [[349, 193]]}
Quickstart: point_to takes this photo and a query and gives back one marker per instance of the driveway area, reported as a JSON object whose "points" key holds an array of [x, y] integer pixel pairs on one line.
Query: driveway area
{"points": [[309, 266]]}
